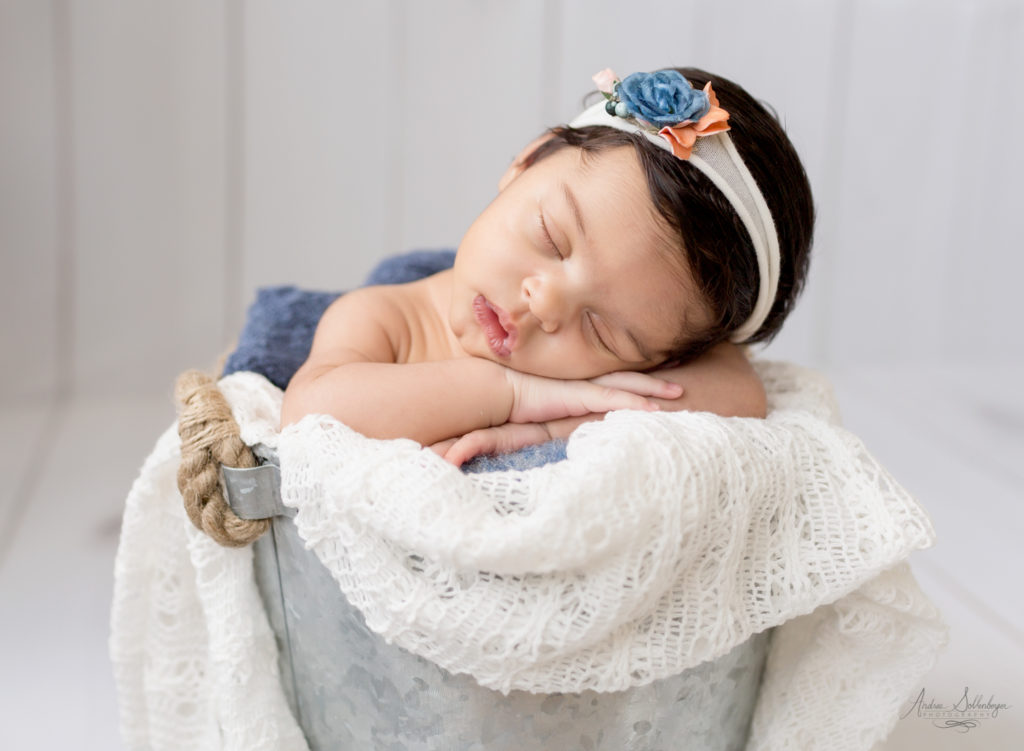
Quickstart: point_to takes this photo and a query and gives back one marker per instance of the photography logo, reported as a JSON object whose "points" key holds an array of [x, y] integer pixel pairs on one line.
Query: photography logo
{"points": [[967, 712]]}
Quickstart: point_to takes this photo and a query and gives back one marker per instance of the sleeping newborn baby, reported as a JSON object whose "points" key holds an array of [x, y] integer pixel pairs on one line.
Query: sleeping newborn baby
{"points": [[606, 274]]}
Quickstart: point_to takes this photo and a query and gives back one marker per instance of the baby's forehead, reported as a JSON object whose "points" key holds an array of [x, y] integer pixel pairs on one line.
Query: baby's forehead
{"points": [[610, 163], [610, 181]]}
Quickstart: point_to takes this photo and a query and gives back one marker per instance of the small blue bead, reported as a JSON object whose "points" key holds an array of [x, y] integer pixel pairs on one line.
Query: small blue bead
{"points": [[620, 110], [609, 107]]}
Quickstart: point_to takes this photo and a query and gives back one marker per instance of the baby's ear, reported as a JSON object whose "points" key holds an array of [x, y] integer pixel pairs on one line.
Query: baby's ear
{"points": [[519, 163]]}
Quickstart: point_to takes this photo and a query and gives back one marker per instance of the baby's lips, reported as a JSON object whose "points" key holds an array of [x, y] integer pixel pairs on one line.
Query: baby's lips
{"points": [[511, 337], [511, 333]]}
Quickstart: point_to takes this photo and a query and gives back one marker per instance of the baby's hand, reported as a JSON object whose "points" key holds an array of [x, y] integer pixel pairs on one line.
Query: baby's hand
{"points": [[513, 436], [502, 439], [538, 399]]}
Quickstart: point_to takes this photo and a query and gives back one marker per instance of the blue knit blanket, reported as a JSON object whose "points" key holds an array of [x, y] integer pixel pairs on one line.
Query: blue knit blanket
{"points": [[280, 324]]}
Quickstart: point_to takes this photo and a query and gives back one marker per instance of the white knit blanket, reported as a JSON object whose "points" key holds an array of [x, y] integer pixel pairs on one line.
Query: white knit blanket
{"points": [[664, 541]]}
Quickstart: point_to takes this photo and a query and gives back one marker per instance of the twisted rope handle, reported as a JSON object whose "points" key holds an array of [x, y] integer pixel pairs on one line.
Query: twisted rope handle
{"points": [[210, 438]]}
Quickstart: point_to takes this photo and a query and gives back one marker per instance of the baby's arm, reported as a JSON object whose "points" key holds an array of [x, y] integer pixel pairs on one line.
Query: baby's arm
{"points": [[352, 374], [721, 381]]}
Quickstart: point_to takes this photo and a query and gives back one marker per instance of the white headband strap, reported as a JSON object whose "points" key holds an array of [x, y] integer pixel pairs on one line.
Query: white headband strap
{"points": [[716, 156]]}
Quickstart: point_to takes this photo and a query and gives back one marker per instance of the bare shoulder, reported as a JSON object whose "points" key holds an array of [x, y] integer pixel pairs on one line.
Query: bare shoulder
{"points": [[369, 324], [722, 381]]}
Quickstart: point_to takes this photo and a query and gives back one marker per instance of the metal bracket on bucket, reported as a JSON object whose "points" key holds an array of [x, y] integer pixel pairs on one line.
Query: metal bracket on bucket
{"points": [[255, 492]]}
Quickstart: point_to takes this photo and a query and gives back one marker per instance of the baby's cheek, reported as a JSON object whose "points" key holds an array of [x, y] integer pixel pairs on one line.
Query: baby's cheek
{"points": [[564, 362]]}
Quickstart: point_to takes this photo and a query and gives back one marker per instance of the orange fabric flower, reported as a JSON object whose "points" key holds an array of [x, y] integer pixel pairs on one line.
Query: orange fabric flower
{"points": [[683, 136]]}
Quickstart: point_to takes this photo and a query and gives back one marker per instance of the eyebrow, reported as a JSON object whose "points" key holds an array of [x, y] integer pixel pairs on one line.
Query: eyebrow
{"points": [[574, 208]]}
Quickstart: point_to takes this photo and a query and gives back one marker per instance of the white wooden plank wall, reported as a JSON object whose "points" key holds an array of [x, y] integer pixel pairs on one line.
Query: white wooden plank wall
{"points": [[159, 161], [319, 133], [32, 248], [148, 103], [932, 177]]}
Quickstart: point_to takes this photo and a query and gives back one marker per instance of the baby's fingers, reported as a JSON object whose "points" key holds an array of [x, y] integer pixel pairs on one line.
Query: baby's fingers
{"points": [[605, 399], [483, 441], [497, 440], [640, 383], [441, 447]]}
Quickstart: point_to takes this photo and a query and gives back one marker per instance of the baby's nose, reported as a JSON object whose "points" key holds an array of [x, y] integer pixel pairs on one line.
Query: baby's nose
{"points": [[544, 301]]}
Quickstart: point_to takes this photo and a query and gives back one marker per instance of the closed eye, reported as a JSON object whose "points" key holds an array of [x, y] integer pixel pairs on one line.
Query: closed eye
{"points": [[597, 335], [547, 237]]}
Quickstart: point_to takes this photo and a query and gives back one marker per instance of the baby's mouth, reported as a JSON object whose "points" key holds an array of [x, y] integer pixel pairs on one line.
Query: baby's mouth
{"points": [[498, 328]]}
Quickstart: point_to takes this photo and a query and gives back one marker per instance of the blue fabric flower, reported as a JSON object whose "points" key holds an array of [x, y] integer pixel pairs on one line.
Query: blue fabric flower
{"points": [[662, 98]]}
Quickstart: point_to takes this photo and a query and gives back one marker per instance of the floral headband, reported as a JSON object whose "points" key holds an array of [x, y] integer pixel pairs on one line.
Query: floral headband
{"points": [[688, 123]]}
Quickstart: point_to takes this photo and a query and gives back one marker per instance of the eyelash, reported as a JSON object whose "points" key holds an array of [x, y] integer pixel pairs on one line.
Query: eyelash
{"points": [[547, 238], [597, 334], [554, 248]]}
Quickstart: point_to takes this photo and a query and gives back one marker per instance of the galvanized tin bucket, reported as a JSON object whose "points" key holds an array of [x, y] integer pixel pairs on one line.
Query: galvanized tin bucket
{"points": [[349, 689]]}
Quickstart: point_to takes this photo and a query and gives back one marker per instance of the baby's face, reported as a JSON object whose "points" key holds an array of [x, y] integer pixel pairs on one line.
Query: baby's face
{"points": [[568, 272]]}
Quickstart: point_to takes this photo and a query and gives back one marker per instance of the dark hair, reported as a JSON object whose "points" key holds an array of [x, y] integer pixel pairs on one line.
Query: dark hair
{"points": [[713, 241]]}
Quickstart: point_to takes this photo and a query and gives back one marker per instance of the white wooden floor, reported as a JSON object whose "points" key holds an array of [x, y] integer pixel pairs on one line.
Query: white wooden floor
{"points": [[954, 438]]}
